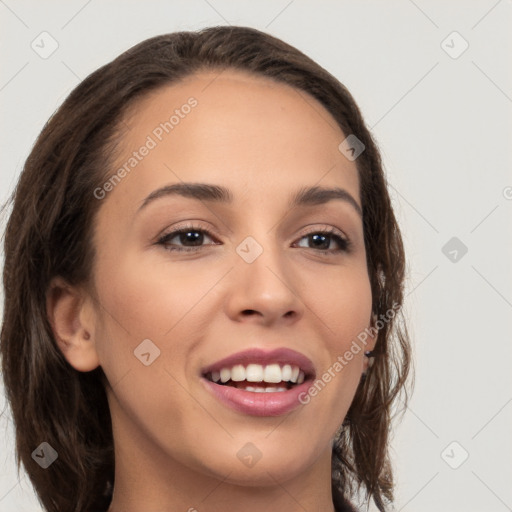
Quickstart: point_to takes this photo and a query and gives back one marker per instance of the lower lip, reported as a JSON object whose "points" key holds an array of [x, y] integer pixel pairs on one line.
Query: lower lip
{"points": [[258, 404]]}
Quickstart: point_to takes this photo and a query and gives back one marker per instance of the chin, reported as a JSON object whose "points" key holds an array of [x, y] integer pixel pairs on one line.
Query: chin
{"points": [[280, 467]]}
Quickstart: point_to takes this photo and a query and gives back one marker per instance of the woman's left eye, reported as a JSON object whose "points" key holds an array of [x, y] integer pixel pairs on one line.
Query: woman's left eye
{"points": [[322, 241], [195, 237]]}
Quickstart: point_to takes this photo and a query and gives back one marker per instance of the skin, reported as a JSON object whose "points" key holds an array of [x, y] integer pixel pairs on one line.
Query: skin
{"points": [[175, 444]]}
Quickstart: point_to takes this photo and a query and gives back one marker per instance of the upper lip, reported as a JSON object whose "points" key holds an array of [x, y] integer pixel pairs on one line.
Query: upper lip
{"points": [[280, 356]]}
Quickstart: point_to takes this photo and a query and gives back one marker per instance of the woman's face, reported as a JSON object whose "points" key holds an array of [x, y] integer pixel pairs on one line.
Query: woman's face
{"points": [[253, 273]]}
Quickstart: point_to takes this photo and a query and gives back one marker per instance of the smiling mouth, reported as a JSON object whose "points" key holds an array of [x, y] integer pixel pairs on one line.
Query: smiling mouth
{"points": [[258, 378]]}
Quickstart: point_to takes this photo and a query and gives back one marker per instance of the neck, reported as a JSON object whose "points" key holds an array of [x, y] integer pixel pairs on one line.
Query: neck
{"points": [[148, 479]]}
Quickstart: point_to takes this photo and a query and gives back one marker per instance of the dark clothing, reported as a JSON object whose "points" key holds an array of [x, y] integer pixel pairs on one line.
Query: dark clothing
{"points": [[340, 503]]}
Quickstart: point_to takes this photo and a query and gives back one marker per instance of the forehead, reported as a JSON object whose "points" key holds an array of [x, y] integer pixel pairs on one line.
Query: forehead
{"points": [[244, 131], [228, 100]]}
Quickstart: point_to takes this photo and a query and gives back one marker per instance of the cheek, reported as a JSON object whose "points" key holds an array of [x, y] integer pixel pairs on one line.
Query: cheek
{"points": [[342, 307], [143, 344], [151, 300], [164, 302], [342, 303]]}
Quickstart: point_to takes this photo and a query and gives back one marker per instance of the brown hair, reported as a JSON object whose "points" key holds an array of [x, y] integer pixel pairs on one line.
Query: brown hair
{"points": [[49, 234]]}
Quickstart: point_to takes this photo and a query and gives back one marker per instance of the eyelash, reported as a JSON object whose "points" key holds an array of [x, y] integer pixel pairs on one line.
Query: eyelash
{"points": [[344, 243]]}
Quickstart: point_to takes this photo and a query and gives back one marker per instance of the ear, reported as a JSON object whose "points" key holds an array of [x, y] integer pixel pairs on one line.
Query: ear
{"points": [[71, 315], [371, 341]]}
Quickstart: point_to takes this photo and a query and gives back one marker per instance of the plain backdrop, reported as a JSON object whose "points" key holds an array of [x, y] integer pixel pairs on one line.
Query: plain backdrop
{"points": [[434, 82]]}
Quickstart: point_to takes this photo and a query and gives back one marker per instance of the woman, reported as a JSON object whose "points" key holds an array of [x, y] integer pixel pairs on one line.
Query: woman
{"points": [[203, 279]]}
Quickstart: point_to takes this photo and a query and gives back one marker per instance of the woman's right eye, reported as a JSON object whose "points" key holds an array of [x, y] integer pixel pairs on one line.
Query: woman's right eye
{"points": [[187, 234]]}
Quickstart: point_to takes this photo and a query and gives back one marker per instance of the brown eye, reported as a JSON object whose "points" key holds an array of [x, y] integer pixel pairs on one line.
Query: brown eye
{"points": [[183, 237], [321, 241]]}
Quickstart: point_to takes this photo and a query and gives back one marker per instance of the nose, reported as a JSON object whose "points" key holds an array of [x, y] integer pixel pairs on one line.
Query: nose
{"points": [[265, 290]]}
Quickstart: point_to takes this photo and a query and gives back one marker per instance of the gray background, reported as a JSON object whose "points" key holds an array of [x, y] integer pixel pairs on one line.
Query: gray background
{"points": [[443, 122]]}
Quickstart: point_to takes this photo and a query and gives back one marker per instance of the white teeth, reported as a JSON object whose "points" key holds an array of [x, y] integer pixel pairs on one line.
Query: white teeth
{"points": [[238, 373], [254, 373], [271, 373], [286, 372], [271, 389], [268, 389]]}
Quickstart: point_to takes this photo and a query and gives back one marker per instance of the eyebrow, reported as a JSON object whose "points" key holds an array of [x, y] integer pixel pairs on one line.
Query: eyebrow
{"points": [[305, 196]]}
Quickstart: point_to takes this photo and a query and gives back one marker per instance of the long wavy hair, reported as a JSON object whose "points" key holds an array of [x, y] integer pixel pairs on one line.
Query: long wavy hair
{"points": [[49, 233]]}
